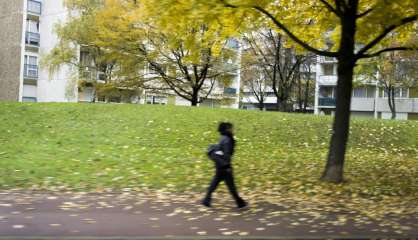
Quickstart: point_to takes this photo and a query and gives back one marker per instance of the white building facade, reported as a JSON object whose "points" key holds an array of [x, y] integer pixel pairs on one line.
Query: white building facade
{"points": [[368, 100]]}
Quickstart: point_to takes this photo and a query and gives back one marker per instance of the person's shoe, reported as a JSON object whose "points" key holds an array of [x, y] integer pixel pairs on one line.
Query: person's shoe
{"points": [[242, 204], [206, 203]]}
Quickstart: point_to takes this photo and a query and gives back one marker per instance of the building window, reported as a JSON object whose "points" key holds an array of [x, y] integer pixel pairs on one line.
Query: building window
{"points": [[85, 59], [32, 26], [34, 7], [328, 69], [230, 91], [31, 66], [156, 100], [326, 92], [29, 99], [399, 93], [371, 92], [360, 92], [329, 59], [32, 32]]}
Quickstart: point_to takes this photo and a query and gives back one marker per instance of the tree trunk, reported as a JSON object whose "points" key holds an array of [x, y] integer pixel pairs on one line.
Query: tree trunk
{"points": [[301, 108], [391, 100], [194, 102], [94, 95], [346, 62], [300, 99], [261, 106], [393, 108], [306, 97], [281, 105], [195, 99]]}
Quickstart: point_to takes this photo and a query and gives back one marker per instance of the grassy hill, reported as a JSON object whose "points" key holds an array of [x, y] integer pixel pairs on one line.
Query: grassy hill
{"points": [[97, 146]]}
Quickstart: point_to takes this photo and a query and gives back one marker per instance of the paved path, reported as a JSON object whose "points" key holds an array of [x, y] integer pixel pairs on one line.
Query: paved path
{"points": [[133, 216]]}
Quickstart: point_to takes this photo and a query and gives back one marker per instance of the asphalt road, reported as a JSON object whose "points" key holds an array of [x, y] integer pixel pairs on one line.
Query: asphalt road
{"points": [[26, 215]]}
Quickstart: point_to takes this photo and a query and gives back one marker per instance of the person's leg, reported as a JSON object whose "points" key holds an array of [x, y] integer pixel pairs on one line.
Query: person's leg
{"points": [[212, 187], [230, 183]]}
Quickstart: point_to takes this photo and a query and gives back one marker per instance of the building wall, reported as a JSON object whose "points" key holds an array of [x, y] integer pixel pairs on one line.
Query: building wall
{"points": [[60, 86], [399, 116], [11, 28]]}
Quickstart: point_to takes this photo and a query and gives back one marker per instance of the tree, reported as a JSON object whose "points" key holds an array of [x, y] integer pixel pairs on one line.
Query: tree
{"points": [[182, 61], [279, 64], [305, 83], [253, 78], [116, 37], [348, 30], [392, 71]]}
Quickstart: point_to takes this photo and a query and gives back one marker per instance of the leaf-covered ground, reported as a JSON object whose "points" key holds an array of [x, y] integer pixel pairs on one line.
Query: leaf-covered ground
{"points": [[97, 147]]}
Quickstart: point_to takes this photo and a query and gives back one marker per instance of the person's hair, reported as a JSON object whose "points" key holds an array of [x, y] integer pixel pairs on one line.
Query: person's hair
{"points": [[224, 127]]}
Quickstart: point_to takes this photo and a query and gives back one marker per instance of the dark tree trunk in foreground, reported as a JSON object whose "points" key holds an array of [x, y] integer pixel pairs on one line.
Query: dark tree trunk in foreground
{"points": [[346, 62]]}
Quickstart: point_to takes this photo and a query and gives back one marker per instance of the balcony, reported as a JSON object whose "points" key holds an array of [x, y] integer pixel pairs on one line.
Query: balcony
{"points": [[32, 39], [324, 59], [406, 105], [231, 69], [34, 7], [30, 71], [327, 102], [328, 80], [362, 104]]}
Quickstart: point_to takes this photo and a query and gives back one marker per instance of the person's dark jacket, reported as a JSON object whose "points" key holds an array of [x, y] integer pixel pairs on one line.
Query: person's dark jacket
{"points": [[226, 146]]}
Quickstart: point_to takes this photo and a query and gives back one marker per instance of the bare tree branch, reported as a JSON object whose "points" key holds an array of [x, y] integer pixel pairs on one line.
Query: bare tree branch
{"points": [[375, 54], [331, 8], [285, 29], [363, 14]]}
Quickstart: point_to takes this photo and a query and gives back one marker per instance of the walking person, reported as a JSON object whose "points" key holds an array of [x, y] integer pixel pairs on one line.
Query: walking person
{"points": [[222, 154]]}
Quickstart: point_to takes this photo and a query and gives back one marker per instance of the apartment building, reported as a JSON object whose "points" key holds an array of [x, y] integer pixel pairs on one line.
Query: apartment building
{"points": [[368, 99], [27, 33]]}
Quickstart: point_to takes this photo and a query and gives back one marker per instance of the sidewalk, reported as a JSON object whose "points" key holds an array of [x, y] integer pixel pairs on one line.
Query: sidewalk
{"points": [[133, 216]]}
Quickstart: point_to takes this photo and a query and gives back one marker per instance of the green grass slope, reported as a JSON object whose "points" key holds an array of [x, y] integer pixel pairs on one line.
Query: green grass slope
{"points": [[94, 147]]}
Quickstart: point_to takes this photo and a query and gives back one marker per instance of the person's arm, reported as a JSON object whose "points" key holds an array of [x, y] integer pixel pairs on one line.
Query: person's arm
{"points": [[226, 146]]}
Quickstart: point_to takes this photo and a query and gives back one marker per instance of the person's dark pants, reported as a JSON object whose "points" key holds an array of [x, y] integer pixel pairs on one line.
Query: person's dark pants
{"points": [[224, 174]]}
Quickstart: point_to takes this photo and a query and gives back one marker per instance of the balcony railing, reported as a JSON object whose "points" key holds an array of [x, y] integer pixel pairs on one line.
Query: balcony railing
{"points": [[327, 102], [231, 68], [328, 80], [328, 59], [34, 7], [31, 71], [32, 38]]}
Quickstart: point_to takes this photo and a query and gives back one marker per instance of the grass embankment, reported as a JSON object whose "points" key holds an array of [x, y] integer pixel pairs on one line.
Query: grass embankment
{"points": [[88, 147]]}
